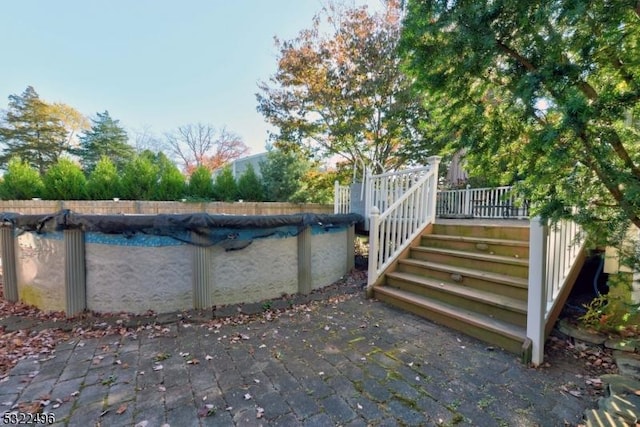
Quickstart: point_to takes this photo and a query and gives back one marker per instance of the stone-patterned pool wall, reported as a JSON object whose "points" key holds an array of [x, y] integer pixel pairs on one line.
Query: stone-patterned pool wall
{"points": [[135, 273]]}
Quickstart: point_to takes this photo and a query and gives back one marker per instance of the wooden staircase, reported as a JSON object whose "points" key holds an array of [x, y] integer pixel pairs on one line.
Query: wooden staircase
{"points": [[472, 278]]}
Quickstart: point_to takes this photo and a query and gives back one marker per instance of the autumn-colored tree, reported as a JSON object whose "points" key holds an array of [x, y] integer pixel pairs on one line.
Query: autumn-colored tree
{"points": [[74, 121], [200, 144], [344, 93]]}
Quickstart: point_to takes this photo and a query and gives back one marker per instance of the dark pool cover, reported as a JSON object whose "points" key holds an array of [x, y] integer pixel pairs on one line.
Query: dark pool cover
{"points": [[234, 231]]}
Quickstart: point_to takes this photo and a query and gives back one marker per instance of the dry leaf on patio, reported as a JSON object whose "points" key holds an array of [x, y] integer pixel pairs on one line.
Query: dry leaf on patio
{"points": [[121, 409]]}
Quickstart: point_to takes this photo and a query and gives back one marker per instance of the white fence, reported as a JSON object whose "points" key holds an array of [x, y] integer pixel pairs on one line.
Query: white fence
{"points": [[553, 251], [498, 202], [405, 214], [341, 198]]}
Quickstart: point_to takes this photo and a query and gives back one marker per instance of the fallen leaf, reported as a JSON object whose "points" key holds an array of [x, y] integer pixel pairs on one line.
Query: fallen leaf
{"points": [[207, 357], [247, 396], [259, 412], [121, 409], [158, 367]]}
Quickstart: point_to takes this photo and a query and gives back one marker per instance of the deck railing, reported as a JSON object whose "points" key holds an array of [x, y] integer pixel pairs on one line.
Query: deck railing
{"points": [[383, 190], [413, 207], [553, 251], [341, 198], [497, 202]]}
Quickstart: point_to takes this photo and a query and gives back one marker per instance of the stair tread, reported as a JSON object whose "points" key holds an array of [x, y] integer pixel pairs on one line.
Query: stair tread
{"points": [[490, 240], [490, 298], [494, 277], [470, 317], [475, 255]]}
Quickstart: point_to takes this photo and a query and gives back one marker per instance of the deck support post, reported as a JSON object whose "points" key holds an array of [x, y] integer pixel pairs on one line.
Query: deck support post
{"points": [[351, 249]]}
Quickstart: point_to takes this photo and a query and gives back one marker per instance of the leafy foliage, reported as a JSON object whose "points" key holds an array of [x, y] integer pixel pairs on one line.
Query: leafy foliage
{"points": [[21, 181], [345, 94], [282, 172], [317, 187], [225, 187], [33, 131], [104, 181], [65, 181], [250, 186], [105, 138], [200, 184], [546, 93]]}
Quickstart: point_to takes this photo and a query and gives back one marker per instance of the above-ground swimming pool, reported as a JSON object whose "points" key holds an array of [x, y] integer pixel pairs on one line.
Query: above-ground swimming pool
{"points": [[167, 263]]}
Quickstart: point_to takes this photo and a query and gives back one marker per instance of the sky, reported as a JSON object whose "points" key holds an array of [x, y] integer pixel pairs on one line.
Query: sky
{"points": [[153, 64]]}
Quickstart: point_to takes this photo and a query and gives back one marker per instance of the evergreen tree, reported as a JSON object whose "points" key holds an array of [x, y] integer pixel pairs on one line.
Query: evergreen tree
{"points": [[282, 173], [32, 131], [104, 181], [225, 187], [105, 138], [548, 91], [250, 186], [140, 177], [21, 181], [171, 185], [65, 181], [201, 184]]}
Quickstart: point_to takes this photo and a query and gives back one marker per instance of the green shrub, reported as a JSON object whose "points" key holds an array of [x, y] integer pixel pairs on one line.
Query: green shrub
{"points": [[250, 186], [21, 181], [200, 184], [140, 179], [171, 185], [104, 181], [65, 181], [225, 187]]}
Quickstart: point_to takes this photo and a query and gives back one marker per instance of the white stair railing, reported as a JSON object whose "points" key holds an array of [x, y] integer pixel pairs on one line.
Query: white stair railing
{"points": [[553, 251], [413, 206]]}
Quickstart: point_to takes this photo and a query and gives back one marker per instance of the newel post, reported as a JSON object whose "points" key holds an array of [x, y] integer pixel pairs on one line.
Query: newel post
{"points": [[434, 162], [374, 249], [537, 298]]}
